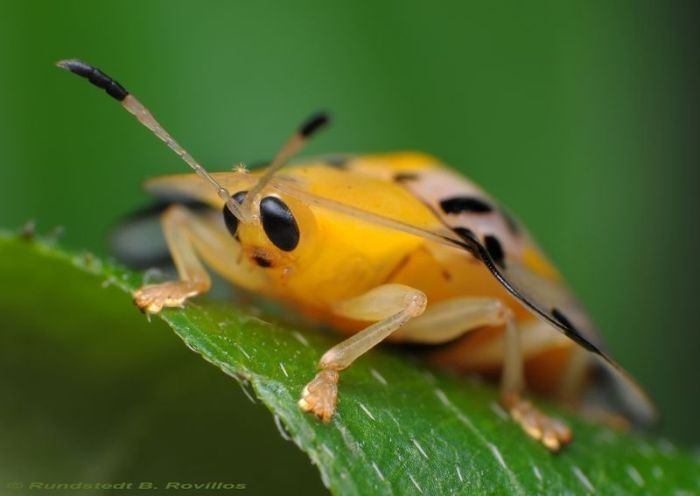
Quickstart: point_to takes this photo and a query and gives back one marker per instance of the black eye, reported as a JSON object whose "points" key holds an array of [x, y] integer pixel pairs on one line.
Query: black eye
{"points": [[229, 219], [279, 224]]}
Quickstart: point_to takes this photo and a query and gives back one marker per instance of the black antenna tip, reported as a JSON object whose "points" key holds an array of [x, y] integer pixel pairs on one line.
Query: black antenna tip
{"points": [[95, 76], [314, 123], [75, 66]]}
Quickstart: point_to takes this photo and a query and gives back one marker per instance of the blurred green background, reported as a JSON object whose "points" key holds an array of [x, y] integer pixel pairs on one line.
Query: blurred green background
{"points": [[580, 116]]}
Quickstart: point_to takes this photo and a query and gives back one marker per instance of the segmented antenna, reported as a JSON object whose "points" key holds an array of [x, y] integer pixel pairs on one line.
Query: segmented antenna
{"points": [[144, 116], [293, 146]]}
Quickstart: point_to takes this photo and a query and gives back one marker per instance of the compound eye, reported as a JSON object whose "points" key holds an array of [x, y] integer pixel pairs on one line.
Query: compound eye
{"points": [[229, 219], [279, 224]]}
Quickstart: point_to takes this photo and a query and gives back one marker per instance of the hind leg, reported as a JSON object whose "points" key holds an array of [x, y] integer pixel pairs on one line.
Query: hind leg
{"points": [[448, 320], [399, 310], [551, 432]]}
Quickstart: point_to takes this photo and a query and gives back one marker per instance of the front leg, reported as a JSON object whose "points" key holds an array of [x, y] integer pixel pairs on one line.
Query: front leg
{"points": [[393, 305], [182, 230]]}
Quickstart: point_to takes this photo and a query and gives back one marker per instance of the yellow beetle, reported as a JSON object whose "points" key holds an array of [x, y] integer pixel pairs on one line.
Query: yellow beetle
{"points": [[388, 247]]}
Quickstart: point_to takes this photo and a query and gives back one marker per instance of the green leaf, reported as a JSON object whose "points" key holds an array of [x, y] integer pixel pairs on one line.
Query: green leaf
{"points": [[400, 426]]}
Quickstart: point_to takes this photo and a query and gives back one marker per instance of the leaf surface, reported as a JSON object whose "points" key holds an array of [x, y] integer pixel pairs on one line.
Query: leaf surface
{"points": [[400, 428]]}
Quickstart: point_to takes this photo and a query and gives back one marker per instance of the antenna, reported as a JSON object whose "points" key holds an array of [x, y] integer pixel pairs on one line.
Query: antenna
{"points": [[293, 145], [144, 116]]}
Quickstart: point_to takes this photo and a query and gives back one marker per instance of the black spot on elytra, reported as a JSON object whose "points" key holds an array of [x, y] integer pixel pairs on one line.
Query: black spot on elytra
{"points": [[495, 249], [471, 242], [461, 204], [464, 233]]}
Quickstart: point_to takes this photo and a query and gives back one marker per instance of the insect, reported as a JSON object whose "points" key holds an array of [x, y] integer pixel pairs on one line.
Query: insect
{"points": [[394, 247]]}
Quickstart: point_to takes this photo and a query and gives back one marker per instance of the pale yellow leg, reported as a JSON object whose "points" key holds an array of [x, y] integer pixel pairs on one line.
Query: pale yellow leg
{"points": [[393, 305], [186, 234], [551, 432], [448, 320]]}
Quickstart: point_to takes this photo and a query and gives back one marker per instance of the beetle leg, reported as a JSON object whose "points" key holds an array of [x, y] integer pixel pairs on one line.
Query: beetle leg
{"points": [[392, 305], [194, 279], [190, 236], [450, 319], [551, 432]]}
